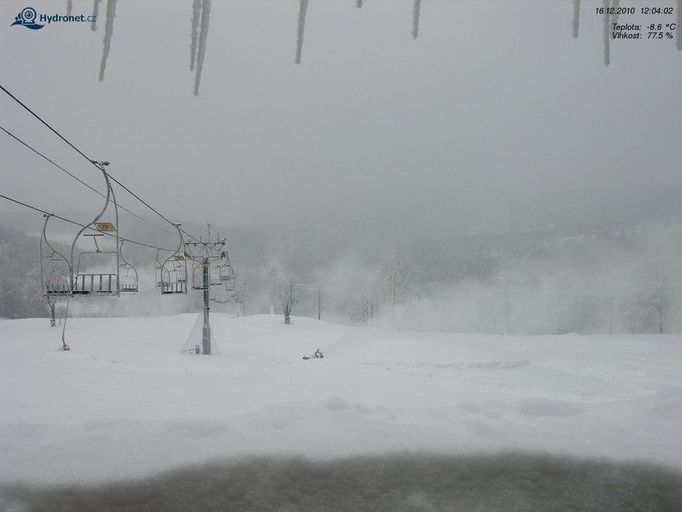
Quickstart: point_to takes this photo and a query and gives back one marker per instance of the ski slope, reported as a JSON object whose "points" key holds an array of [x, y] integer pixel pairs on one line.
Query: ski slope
{"points": [[124, 402]]}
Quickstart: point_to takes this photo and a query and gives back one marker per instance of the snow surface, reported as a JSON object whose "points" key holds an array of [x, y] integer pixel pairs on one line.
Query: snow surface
{"points": [[126, 403]]}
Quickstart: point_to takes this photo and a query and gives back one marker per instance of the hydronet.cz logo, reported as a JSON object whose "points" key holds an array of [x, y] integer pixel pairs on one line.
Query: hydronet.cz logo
{"points": [[29, 18]]}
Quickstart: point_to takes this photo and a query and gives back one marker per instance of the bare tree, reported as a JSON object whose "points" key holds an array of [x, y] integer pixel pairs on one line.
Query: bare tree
{"points": [[320, 299], [287, 298], [240, 297], [658, 296], [370, 302], [397, 278], [507, 282], [633, 318], [370, 307]]}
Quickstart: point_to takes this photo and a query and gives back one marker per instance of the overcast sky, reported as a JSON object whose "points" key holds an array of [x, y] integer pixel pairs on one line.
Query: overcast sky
{"points": [[495, 115]]}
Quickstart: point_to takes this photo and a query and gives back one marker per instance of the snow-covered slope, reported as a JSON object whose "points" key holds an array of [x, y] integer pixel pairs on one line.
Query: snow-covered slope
{"points": [[125, 402]]}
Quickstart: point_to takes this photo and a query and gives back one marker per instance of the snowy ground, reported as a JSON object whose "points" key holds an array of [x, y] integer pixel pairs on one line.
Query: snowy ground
{"points": [[125, 403]]}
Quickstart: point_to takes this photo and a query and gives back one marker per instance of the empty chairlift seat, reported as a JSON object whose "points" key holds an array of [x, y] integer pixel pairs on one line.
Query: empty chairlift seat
{"points": [[102, 284], [168, 287], [56, 289], [128, 280], [172, 275], [55, 271]]}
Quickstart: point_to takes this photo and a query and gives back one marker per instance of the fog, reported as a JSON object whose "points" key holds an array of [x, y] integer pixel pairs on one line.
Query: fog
{"points": [[525, 187], [405, 482], [494, 118]]}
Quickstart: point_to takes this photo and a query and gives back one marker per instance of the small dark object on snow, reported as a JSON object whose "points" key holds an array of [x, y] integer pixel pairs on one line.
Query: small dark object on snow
{"points": [[317, 355]]}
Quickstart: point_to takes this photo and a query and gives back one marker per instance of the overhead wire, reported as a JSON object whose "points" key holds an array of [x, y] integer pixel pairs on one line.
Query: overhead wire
{"points": [[90, 160], [46, 158], [45, 212]]}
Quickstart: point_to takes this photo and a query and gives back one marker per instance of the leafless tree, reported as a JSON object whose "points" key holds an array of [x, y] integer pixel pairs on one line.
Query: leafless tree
{"points": [[320, 299], [507, 281], [658, 296], [287, 298], [397, 278], [370, 307]]}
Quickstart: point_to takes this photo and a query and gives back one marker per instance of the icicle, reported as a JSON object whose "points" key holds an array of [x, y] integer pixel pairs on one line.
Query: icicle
{"points": [[69, 7], [203, 35], [679, 25], [576, 18], [614, 17], [358, 3], [108, 30], [607, 35], [196, 16], [95, 13], [302, 10], [415, 18]]}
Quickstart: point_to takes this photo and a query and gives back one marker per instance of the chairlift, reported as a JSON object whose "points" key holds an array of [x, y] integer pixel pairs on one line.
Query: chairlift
{"points": [[214, 277], [207, 263], [128, 279], [228, 293], [230, 285], [198, 275], [224, 269], [98, 282], [224, 295], [55, 270], [172, 273], [83, 283], [229, 279]]}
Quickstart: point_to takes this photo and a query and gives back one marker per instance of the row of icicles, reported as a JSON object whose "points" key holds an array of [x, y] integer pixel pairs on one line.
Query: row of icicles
{"points": [[609, 19], [201, 12]]}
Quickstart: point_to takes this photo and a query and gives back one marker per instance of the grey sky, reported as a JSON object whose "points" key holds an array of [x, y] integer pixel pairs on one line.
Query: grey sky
{"points": [[494, 115]]}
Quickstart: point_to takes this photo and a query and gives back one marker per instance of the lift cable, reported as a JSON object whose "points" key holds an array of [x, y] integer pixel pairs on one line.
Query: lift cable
{"points": [[92, 162], [31, 148], [45, 212]]}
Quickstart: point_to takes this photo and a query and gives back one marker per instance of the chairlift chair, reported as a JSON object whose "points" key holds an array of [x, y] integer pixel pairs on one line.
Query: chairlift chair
{"points": [[83, 283], [172, 273], [128, 279], [223, 270], [214, 277], [230, 285], [55, 270], [98, 283], [198, 275]]}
